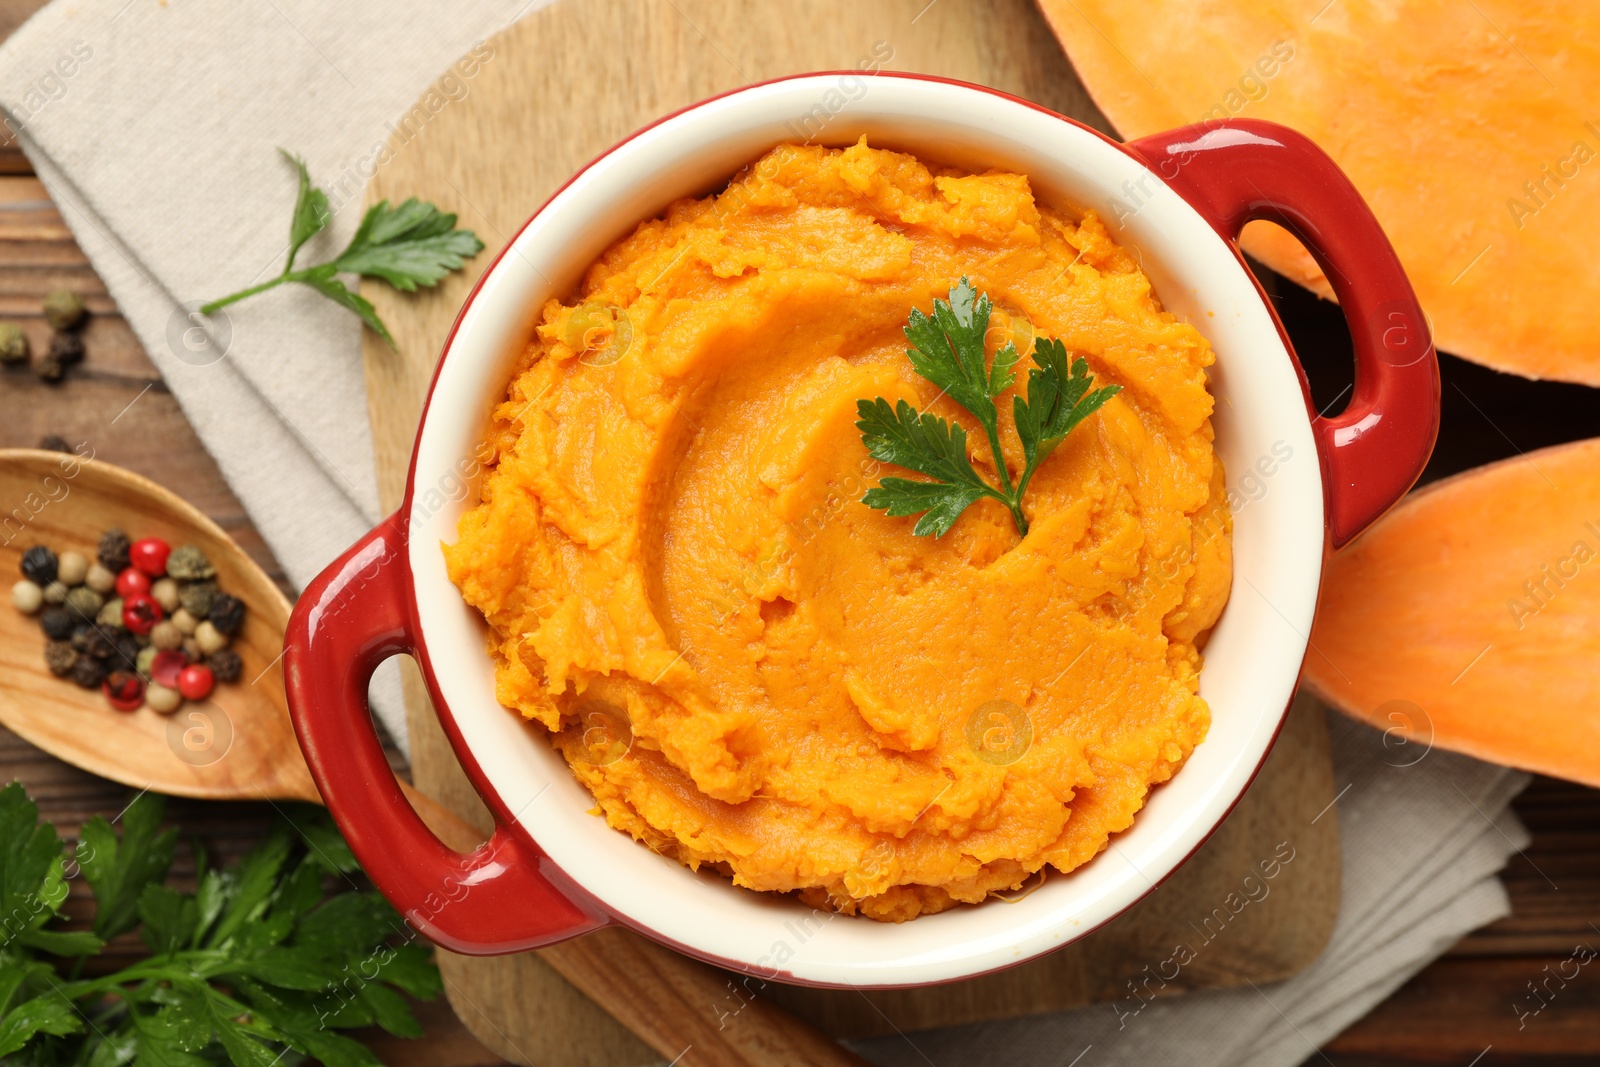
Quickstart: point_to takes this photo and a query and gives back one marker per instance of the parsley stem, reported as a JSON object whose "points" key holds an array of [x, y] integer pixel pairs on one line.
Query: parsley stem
{"points": [[1017, 516], [999, 458], [216, 305]]}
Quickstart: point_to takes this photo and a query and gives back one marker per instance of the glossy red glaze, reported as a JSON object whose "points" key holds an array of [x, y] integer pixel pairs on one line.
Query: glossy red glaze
{"points": [[1243, 169], [356, 614], [362, 609]]}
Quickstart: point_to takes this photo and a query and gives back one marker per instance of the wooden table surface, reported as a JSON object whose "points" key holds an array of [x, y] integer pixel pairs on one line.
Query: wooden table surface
{"points": [[1461, 1010]]}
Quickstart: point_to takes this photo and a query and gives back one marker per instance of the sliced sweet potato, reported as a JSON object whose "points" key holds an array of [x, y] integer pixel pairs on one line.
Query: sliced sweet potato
{"points": [[1463, 125], [1469, 616]]}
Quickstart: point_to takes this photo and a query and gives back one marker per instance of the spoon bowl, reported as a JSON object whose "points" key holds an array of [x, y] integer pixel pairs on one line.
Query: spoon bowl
{"points": [[238, 743]]}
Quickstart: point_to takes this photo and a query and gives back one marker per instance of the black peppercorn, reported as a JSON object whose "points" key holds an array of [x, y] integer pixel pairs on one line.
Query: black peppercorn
{"points": [[100, 642], [60, 657], [54, 442], [39, 565], [227, 614], [48, 368], [89, 672], [127, 647], [65, 348], [58, 623], [225, 665], [113, 551]]}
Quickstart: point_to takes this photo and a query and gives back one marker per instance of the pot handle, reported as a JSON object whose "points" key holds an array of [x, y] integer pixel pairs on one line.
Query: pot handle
{"points": [[1238, 170], [497, 899]]}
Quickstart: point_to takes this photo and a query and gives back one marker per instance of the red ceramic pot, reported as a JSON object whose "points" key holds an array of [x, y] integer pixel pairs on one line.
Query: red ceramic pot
{"points": [[1300, 482]]}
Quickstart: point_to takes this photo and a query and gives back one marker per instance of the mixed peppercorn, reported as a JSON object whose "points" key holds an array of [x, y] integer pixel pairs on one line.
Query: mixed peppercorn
{"points": [[65, 312], [144, 622]]}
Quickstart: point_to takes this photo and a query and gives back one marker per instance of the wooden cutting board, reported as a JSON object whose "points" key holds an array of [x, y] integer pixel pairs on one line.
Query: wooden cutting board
{"points": [[542, 98]]}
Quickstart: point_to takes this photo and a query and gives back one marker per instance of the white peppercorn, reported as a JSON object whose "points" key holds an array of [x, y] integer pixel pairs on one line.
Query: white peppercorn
{"points": [[209, 638], [165, 591], [72, 568], [161, 699], [100, 579], [165, 635], [55, 593], [27, 597]]}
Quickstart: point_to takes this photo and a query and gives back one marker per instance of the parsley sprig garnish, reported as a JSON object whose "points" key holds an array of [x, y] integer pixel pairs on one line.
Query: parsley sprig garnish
{"points": [[948, 350], [260, 965], [407, 246]]}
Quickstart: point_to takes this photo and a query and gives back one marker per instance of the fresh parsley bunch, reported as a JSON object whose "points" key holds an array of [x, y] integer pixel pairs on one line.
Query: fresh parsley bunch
{"points": [[259, 966], [948, 350], [407, 246]]}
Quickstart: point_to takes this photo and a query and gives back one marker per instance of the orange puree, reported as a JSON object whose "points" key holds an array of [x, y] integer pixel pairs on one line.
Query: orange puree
{"points": [[751, 669]]}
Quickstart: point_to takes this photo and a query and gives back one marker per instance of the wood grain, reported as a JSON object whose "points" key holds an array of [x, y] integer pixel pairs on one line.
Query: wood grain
{"points": [[238, 742], [561, 86]]}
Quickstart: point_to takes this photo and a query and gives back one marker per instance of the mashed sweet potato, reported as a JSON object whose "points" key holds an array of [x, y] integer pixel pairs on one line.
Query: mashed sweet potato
{"points": [[752, 670]]}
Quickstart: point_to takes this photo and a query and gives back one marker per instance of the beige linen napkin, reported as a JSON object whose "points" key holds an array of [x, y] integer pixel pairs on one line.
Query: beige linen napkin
{"points": [[155, 126], [1422, 844], [155, 123]]}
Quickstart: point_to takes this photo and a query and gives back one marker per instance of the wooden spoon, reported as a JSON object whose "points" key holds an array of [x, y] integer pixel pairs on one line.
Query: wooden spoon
{"points": [[239, 745]]}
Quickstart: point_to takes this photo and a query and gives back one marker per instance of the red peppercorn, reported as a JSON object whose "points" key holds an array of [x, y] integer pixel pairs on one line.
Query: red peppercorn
{"points": [[195, 682], [166, 667], [123, 690], [140, 613], [149, 554], [132, 582]]}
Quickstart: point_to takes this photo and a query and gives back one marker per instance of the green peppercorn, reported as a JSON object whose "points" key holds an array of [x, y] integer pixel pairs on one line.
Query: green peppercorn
{"points": [[110, 613], [64, 310], [197, 598], [146, 657], [188, 564], [13, 343], [84, 603]]}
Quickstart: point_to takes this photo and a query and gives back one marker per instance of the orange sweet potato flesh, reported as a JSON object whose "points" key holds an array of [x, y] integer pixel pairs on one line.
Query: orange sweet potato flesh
{"points": [[1463, 125], [1471, 613]]}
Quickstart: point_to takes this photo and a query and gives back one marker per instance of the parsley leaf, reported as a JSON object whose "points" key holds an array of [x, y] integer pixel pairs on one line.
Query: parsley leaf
{"points": [[258, 963], [1058, 399], [32, 881], [948, 349], [408, 246], [118, 871], [926, 444], [46, 1014]]}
